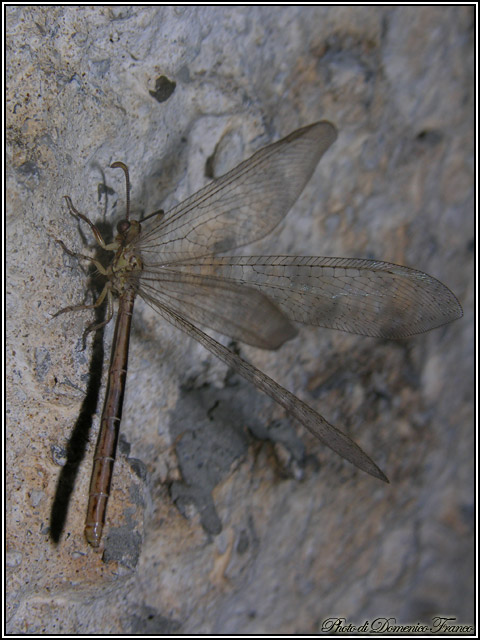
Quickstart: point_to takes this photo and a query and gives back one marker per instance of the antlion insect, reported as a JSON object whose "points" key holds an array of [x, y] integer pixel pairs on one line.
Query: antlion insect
{"points": [[174, 266]]}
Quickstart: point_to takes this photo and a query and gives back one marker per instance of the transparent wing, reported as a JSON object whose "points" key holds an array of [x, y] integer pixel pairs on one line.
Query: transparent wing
{"points": [[313, 421], [359, 296], [244, 205], [234, 309]]}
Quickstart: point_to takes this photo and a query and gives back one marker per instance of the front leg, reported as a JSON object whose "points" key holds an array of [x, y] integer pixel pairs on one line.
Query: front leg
{"points": [[74, 254], [95, 230]]}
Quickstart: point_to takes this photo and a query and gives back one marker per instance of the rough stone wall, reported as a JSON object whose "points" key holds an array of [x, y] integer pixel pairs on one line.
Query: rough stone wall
{"points": [[219, 522]]}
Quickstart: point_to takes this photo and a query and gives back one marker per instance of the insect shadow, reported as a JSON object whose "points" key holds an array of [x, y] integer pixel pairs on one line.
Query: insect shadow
{"points": [[212, 429], [77, 444]]}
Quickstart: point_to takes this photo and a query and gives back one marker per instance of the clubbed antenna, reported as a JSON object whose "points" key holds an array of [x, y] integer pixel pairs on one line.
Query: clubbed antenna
{"points": [[124, 168]]}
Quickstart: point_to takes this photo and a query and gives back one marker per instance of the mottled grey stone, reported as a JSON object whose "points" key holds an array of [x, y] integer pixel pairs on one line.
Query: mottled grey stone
{"points": [[295, 548]]}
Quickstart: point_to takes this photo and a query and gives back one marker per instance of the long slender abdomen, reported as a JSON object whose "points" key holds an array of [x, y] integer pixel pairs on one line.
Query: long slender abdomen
{"points": [[110, 424]]}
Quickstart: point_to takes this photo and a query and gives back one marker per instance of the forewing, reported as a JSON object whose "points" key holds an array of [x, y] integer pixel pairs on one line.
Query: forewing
{"points": [[366, 297], [244, 205]]}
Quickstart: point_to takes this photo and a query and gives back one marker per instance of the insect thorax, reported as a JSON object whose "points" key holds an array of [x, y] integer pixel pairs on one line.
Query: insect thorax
{"points": [[127, 266]]}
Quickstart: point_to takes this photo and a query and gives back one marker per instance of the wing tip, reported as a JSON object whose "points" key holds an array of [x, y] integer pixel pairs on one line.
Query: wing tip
{"points": [[328, 129], [365, 463], [380, 475], [327, 132]]}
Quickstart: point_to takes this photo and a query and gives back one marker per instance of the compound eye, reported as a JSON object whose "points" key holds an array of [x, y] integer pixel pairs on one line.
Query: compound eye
{"points": [[123, 226]]}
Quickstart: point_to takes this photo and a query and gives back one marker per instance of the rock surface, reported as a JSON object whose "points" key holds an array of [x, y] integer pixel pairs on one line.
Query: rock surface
{"points": [[225, 517]]}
